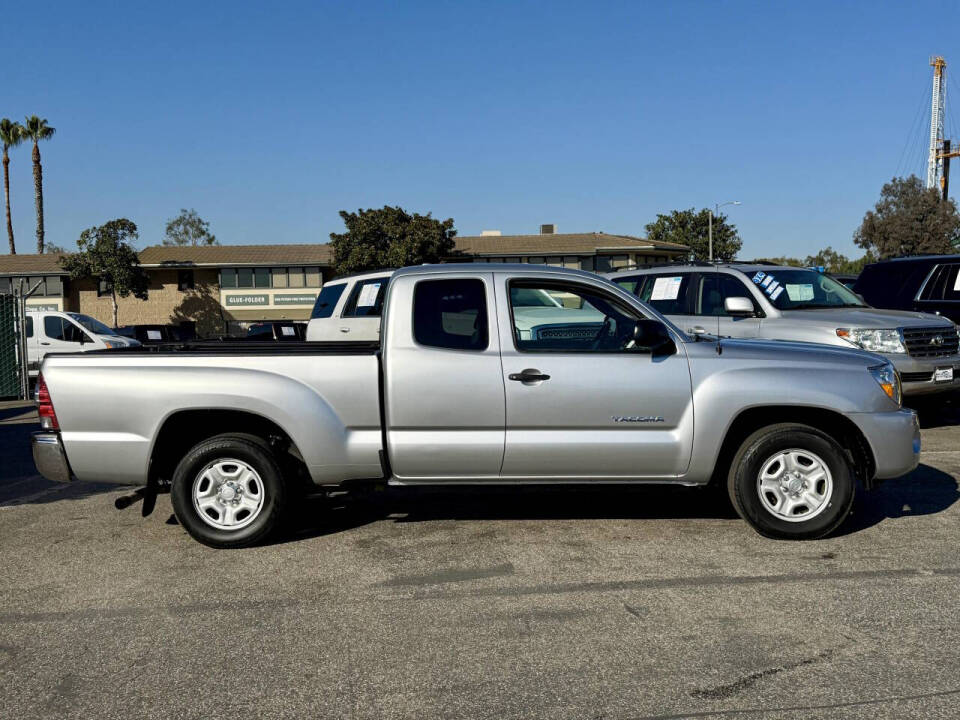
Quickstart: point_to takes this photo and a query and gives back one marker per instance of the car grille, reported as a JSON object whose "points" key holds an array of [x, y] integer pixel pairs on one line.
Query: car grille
{"points": [[930, 342], [916, 376]]}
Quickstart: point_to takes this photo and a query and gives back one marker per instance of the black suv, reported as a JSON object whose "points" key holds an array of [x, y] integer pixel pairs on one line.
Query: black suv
{"points": [[928, 283]]}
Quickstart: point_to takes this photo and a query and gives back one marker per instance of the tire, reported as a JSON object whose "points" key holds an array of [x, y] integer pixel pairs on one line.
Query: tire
{"points": [[776, 484], [228, 492]]}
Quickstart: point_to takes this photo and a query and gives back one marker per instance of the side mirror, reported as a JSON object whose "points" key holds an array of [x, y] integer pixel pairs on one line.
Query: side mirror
{"points": [[651, 336], [738, 307]]}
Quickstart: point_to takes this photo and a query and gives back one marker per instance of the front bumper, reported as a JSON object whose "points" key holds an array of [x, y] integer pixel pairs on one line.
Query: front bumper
{"points": [[894, 438], [49, 457], [916, 374]]}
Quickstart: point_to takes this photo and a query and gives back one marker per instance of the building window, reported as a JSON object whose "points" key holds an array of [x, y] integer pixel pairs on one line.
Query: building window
{"points": [[555, 261], [228, 278], [104, 288], [185, 280], [261, 278], [28, 326], [313, 277], [587, 263], [54, 286], [535, 260], [296, 277], [572, 262], [279, 277], [244, 277]]}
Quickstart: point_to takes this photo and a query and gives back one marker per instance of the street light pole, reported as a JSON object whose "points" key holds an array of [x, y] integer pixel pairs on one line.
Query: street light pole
{"points": [[711, 213]]}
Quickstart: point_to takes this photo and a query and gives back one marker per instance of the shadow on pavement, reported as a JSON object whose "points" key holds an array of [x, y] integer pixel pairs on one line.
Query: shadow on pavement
{"points": [[19, 482], [936, 410], [925, 491]]}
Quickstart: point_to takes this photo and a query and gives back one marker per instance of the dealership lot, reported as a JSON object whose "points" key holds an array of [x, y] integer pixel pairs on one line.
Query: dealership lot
{"points": [[620, 603]]}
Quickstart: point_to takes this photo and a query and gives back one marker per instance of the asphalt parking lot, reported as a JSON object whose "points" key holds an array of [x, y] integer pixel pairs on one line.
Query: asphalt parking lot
{"points": [[636, 603]]}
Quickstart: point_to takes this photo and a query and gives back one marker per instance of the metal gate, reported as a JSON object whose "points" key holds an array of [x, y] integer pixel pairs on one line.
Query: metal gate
{"points": [[11, 373]]}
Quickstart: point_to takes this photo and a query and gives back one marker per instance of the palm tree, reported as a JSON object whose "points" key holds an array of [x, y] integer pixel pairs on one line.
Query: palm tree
{"points": [[11, 135], [36, 129]]}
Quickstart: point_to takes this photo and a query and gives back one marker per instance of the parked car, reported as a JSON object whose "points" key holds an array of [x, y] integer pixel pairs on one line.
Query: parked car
{"points": [[349, 308], [456, 394], [929, 283], [788, 303], [149, 334], [281, 331], [845, 279], [52, 331]]}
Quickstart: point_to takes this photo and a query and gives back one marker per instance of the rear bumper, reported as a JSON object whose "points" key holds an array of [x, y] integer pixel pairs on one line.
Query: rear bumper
{"points": [[49, 457], [894, 438]]}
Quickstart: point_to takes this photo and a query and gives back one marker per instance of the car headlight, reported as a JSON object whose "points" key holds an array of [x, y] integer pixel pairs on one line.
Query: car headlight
{"points": [[112, 344], [883, 341], [888, 380]]}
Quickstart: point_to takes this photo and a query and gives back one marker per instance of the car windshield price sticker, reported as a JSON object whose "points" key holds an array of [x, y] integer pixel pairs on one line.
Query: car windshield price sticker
{"points": [[153, 335], [776, 293], [666, 288], [286, 330], [771, 287], [799, 293], [943, 374], [368, 295], [766, 280]]}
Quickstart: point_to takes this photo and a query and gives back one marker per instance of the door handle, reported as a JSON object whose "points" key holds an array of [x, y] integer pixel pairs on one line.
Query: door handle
{"points": [[528, 375], [44, 343], [344, 329]]}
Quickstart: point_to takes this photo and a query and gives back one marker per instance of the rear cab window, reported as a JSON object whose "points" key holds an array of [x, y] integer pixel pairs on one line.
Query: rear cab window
{"points": [[451, 314], [629, 283], [944, 284]]}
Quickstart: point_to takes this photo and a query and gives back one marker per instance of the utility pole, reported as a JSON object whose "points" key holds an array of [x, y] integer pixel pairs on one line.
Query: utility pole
{"points": [[711, 213]]}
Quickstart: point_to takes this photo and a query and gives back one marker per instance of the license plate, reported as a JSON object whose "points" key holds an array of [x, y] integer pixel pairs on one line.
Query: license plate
{"points": [[943, 374]]}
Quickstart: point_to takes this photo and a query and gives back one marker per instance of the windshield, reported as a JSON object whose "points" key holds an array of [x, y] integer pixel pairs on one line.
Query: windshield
{"points": [[94, 326], [798, 289]]}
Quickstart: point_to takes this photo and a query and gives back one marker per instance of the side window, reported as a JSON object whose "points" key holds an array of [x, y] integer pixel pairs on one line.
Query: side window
{"points": [[327, 301], [581, 320], [714, 289], [366, 299], [668, 293], [28, 326], [451, 314], [944, 284], [630, 284], [58, 328]]}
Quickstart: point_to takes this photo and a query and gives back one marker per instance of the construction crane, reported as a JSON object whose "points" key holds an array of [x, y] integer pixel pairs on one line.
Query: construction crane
{"points": [[938, 164]]}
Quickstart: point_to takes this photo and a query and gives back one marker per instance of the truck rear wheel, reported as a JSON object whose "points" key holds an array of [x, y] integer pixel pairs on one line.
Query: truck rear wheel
{"points": [[792, 482], [228, 492]]}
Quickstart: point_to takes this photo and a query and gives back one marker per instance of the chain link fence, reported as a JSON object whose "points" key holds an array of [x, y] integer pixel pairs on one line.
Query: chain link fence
{"points": [[11, 373]]}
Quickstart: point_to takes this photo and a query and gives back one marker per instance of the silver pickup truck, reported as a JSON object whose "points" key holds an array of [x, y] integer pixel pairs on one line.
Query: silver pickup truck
{"points": [[470, 384]]}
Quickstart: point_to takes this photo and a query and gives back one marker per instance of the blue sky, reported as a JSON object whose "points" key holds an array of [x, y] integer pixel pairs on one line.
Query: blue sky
{"points": [[268, 119]]}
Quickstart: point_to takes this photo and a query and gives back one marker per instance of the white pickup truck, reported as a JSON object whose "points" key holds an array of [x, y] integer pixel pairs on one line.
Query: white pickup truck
{"points": [[468, 385]]}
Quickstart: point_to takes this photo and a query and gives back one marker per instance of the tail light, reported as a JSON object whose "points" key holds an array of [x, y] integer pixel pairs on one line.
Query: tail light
{"points": [[48, 417]]}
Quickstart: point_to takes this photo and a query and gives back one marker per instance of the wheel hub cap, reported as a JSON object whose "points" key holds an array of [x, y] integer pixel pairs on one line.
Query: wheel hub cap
{"points": [[794, 485], [228, 494]]}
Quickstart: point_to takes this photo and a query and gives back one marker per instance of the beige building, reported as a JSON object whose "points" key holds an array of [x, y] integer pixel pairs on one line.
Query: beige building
{"points": [[222, 289]]}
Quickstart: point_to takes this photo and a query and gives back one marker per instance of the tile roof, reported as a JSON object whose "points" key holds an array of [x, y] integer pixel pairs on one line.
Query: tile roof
{"points": [[30, 264], [313, 254], [557, 244]]}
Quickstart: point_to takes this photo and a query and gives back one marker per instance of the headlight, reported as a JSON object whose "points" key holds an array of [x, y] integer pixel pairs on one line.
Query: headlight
{"points": [[882, 341], [889, 380], [111, 344]]}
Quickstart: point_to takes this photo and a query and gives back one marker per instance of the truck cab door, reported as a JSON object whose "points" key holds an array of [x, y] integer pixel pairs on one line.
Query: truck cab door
{"points": [[443, 383], [60, 334], [360, 317], [583, 402]]}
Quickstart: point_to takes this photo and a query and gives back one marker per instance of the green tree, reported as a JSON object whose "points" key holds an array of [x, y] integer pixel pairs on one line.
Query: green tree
{"points": [[11, 135], [909, 219], [390, 237], [834, 262], [188, 228], [36, 129], [691, 228], [106, 254]]}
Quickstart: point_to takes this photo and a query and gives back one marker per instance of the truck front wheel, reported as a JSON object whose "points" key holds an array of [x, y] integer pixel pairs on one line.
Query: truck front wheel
{"points": [[792, 482], [228, 492]]}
